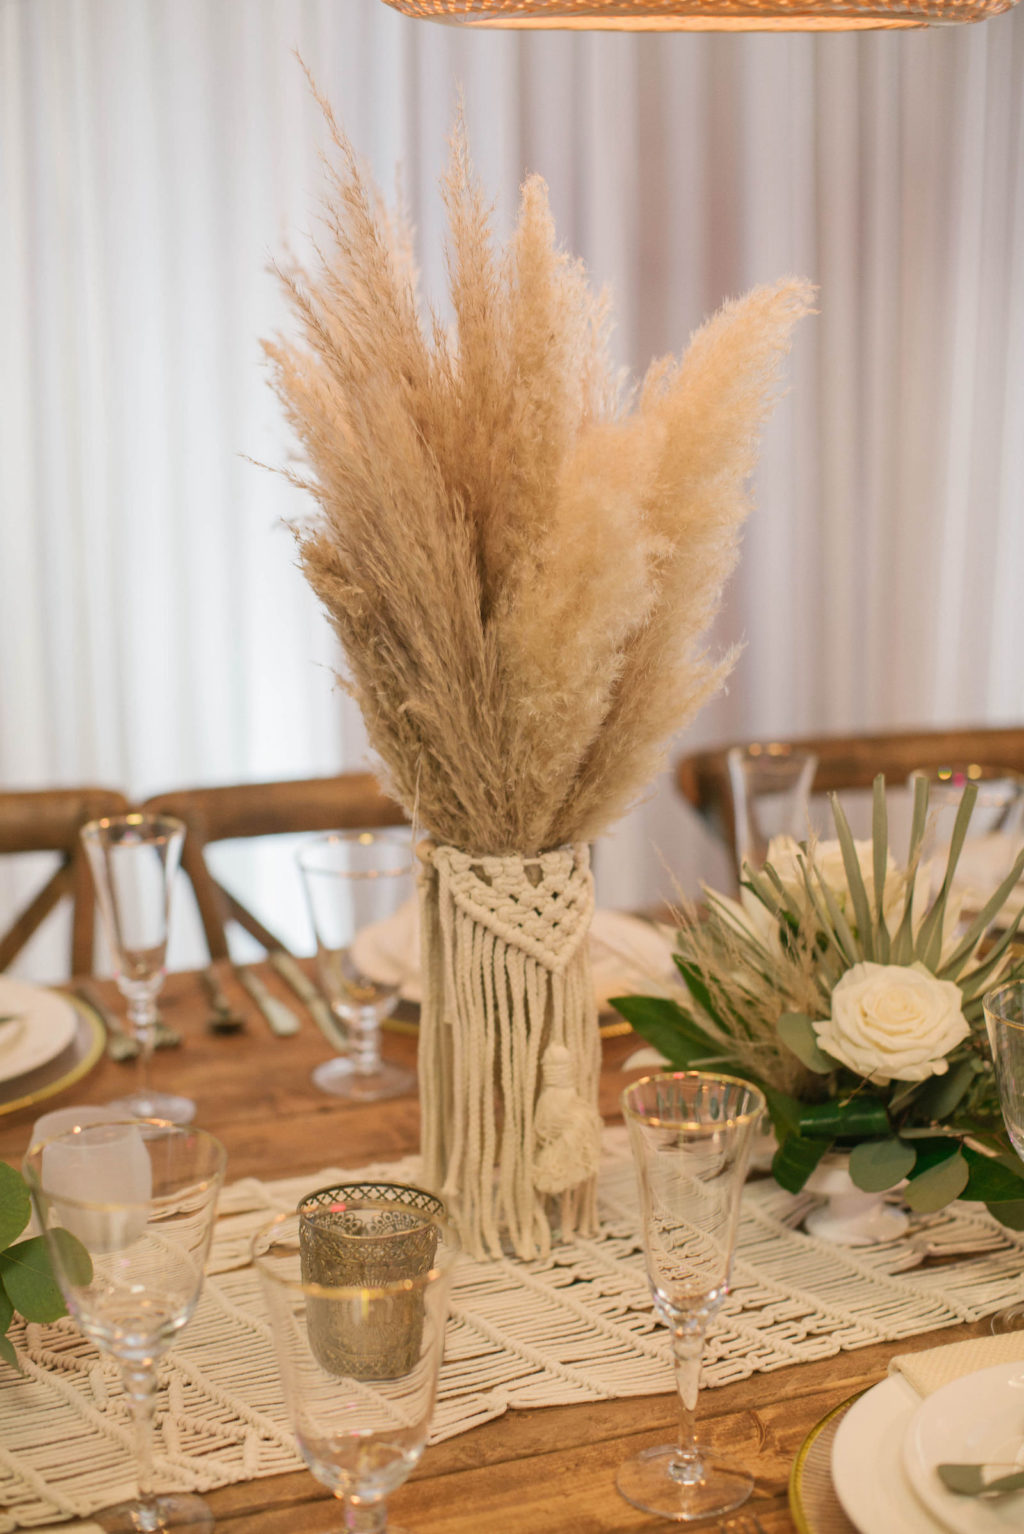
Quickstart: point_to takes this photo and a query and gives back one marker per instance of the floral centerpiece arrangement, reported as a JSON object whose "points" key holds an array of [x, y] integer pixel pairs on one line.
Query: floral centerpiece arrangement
{"points": [[520, 557], [852, 995]]}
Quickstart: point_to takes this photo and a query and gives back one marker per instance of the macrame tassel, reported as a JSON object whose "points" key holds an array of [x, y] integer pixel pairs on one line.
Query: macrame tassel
{"points": [[508, 1029], [568, 1129]]}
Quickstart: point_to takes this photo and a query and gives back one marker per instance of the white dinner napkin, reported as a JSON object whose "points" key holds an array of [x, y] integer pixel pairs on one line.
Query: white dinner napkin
{"points": [[932, 1368]]}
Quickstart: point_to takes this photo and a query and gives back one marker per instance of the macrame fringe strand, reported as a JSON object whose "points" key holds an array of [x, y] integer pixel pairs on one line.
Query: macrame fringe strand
{"points": [[509, 1046]]}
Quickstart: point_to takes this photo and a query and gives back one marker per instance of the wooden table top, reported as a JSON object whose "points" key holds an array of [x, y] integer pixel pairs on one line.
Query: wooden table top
{"points": [[549, 1471]]}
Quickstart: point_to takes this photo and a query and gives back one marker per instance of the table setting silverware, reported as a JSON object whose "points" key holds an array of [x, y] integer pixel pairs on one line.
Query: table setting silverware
{"points": [[280, 1019], [223, 1019], [313, 999]]}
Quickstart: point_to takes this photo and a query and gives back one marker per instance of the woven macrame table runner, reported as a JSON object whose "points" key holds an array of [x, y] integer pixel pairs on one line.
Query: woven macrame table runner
{"points": [[577, 1326]]}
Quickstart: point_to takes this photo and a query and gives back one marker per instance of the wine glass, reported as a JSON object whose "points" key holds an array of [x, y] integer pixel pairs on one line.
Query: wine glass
{"points": [[691, 1135], [354, 881], [140, 1199], [358, 1361], [133, 859], [1004, 1019], [771, 795]]}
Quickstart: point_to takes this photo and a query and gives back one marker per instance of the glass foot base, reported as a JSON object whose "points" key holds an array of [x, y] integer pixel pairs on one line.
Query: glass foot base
{"points": [[648, 1483], [341, 1079], [178, 1510], [155, 1105], [1009, 1320]]}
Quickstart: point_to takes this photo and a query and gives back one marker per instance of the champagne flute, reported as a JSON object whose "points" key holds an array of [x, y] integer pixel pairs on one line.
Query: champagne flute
{"points": [[359, 1361], [354, 880], [140, 1198], [133, 859], [771, 795], [1004, 1019], [691, 1135]]}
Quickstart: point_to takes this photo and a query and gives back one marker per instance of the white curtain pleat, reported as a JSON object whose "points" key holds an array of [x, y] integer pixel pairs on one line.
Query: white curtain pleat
{"points": [[156, 156]]}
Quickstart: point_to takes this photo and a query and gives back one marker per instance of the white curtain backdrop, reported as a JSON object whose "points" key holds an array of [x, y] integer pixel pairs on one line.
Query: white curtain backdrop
{"points": [[155, 155]]}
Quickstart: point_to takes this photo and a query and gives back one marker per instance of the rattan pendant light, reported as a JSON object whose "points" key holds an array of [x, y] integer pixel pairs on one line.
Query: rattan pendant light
{"points": [[703, 15]]}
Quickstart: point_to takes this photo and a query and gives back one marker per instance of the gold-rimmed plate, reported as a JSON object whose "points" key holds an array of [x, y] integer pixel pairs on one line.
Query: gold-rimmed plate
{"points": [[76, 1060]]}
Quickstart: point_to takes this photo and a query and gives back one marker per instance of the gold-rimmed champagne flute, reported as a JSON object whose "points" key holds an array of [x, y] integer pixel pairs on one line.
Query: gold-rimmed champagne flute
{"points": [[355, 881], [1004, 1019], [140, 1200], [133, 860], [691, 1135]]}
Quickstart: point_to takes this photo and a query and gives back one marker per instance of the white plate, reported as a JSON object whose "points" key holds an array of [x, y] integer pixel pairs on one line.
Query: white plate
{"points": [[975, 1420], [867, 1463], [44, 1026]]}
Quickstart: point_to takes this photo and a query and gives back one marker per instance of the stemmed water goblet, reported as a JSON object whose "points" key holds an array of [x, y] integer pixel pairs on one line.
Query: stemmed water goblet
{"points": [[353, 881], [691, 1135], [359, 1360], [1004, 1019], [140, 1199], [771, 796], [133, 860]]}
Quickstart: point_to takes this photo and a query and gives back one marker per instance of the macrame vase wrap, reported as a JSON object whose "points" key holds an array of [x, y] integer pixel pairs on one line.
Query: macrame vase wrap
{"points": [[510, 1053]]}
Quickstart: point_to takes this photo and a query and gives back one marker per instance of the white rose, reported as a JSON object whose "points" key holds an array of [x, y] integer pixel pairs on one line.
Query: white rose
{"points": [[891, 1022]]}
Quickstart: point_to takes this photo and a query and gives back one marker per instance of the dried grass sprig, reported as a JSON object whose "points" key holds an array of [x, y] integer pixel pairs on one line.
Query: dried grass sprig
{"points": [[519, 560]]}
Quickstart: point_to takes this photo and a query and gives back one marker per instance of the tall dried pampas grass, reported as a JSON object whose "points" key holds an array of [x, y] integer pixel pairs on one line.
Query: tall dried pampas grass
{"points": [[519, 558]]}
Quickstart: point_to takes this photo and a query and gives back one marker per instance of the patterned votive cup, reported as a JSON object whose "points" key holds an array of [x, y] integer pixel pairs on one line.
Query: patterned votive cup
{"points": [[368, 1236]]}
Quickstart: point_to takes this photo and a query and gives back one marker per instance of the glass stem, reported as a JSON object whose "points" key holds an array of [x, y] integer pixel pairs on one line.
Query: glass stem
{"points": [[364, 1519], [364, 1046], [142, 1018], [687, 1352], [140, 1388]]}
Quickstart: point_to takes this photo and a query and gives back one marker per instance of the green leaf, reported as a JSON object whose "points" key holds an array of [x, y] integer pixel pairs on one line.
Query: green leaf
{"points": [[8, 1354], [929, 938], [937, 1185], [991, 1180], [6, 1309], [979, 926], [28, 1278], [1008, 1213], [856, 1119], [902, 949], [663, 1023], [15, 1204], [854, 879], [797, 1033], [941, 1094], [783, 1110], [795, 1160], [880, 863], [879, 1164], [75, 1262], [698, 989]]}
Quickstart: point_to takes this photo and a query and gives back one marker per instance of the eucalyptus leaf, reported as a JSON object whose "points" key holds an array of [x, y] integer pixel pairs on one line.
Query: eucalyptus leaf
{"points": [[1008, 1213], [991, 1180], [28, 1278], [6, 1310], [8, 1354], [879, 1164], [938, 1185], [941, 1094], [75, 1262], [15, 1204], [796, 1031]]}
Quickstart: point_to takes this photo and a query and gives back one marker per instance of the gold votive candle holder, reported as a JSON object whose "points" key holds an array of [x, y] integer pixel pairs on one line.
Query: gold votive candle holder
{"points": [[367, 1236]]}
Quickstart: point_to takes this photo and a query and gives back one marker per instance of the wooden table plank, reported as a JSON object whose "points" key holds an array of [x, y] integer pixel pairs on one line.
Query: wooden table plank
{"points": [[549, 1471]]}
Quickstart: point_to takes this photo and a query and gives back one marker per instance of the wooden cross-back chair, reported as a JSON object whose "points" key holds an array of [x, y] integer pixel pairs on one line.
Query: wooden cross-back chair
{"points": [[349, 802], [848, 762], [49, 820]]}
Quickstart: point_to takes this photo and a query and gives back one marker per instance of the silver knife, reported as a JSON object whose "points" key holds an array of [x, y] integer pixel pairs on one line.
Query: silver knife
{"points": [[316, 1004], [281, 1019]]}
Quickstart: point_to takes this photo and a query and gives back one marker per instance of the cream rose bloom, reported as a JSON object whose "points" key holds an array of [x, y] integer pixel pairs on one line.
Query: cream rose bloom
{"points": [[891, 1022]]}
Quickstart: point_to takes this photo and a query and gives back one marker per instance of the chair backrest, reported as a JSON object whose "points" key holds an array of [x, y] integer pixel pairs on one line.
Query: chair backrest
{"points": [[848, 761], [350, 801], [49, 820]]}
